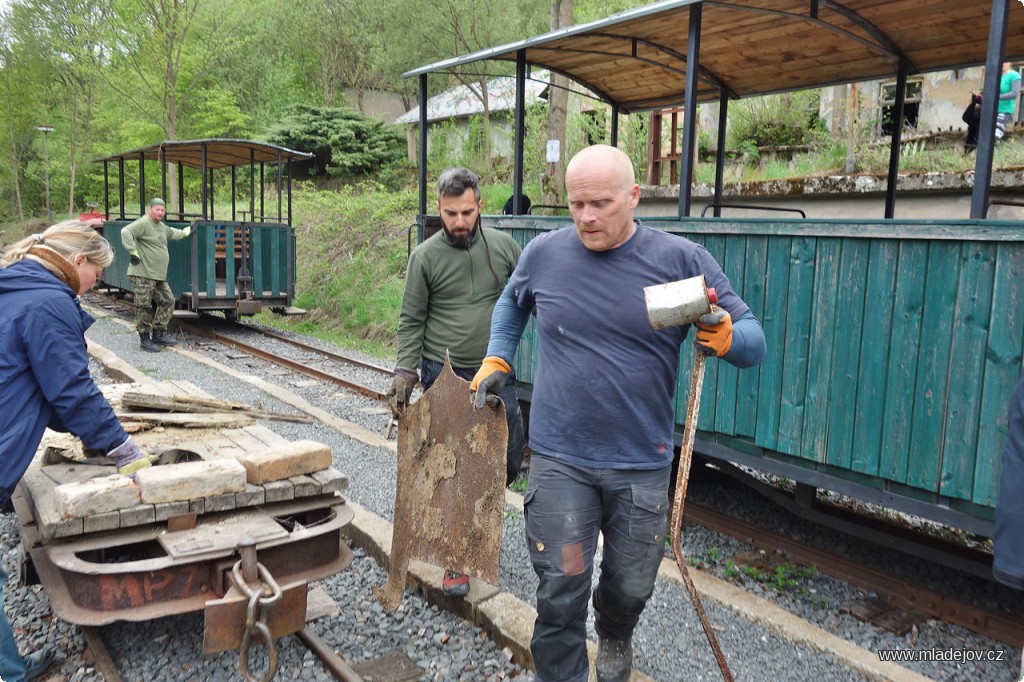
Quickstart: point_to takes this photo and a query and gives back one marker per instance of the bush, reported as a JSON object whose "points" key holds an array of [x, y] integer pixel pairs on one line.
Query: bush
{"points": [[775, 120], [345, 142]]}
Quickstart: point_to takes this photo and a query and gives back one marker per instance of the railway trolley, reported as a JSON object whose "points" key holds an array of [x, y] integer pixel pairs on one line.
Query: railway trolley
{"points": [[893, 344], [238, 262]]}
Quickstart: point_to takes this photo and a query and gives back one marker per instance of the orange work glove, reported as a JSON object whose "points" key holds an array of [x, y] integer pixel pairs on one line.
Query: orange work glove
{"points": [[714, 332], [488, 381]]}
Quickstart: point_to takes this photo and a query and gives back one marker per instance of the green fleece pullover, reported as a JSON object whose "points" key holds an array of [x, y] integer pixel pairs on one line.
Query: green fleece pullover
{"points": [[449, 296], [148, 238]]}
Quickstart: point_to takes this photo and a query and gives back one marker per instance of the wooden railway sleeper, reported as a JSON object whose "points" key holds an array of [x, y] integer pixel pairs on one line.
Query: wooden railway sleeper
{"points": [[262, 598]]}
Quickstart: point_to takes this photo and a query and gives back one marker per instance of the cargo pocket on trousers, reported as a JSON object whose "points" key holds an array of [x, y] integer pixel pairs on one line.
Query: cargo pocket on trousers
{"points": [[534, 534], [647, 519]]}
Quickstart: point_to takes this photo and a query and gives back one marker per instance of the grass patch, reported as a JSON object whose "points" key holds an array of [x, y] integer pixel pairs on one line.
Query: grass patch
{"points": [[352, 252]]}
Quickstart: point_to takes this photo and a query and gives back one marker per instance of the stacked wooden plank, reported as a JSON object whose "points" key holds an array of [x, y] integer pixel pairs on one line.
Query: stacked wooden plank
{"points": [[222, 466]]}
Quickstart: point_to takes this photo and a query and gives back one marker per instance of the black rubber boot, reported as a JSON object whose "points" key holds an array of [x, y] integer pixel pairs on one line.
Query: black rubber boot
{"points": [[147, 343], [162, 338]]}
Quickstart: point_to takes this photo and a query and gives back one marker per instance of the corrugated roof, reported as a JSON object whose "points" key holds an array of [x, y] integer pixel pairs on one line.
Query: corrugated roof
{"points": [[220, 153], [637, 59], [460, 101]]}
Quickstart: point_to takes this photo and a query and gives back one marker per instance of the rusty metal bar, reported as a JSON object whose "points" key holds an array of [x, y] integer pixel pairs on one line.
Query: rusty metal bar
{"points": [[101, 655], [682, 475], [332, 661]]}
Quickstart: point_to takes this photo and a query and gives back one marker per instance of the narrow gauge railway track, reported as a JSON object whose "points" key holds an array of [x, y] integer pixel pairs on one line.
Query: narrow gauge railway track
{"points": [[294, 365], [903, 593], [332, 662], [116, 304]]}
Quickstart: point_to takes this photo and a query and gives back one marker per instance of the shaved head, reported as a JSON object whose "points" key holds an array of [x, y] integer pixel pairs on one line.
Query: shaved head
{"points": [[613, 164], [602, 193]]}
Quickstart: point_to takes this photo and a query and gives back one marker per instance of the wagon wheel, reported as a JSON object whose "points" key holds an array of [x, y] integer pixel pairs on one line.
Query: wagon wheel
{"points": [[231, 315]]}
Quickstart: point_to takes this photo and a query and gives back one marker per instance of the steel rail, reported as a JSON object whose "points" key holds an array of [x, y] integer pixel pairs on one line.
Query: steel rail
{"points": [[315, 349], [997, 625], [290, 364], [277, 359]]}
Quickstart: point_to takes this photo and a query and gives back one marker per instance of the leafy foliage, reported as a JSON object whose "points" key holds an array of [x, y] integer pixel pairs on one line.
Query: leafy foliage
{"points": [[774, 120], [345, 142], [352, 261]]}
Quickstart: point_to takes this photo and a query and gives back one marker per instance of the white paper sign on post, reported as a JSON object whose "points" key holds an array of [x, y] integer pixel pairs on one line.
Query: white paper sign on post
{"points": [[554, 154]]}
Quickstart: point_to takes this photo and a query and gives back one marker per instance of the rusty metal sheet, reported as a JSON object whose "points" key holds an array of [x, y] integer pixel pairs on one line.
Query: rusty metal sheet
{"points": [[225, 619], [449, 495]]}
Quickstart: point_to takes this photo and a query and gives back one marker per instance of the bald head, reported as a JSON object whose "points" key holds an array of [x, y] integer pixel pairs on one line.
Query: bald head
{"points": [[612, 164], [602, 193]]}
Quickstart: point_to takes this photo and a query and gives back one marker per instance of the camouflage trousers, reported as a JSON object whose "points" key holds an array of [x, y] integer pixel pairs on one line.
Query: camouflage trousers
{"points": [[154, 303]]}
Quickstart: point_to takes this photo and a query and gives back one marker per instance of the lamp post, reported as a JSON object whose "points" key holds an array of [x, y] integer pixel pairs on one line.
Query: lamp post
{"points": [[46, 159]]}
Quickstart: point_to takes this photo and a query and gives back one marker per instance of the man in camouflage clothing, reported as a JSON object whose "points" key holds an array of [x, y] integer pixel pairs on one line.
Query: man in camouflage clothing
{"points": [[145, 240]]}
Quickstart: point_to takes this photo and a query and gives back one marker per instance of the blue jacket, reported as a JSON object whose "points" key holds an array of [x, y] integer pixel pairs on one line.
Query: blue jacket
{"points": [[44, 371]]}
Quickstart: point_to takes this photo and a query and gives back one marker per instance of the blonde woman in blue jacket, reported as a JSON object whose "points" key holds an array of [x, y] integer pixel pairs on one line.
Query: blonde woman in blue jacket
{"points": [[44, 374]]}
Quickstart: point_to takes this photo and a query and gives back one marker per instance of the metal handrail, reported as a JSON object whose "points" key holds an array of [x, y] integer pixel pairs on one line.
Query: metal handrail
{"points": [[1001, 202], [753, 207], [529, 211]]}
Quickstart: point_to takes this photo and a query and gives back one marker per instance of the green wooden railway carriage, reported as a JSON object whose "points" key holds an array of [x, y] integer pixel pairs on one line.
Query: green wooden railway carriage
{"points": [[893, 345], [237, 263]]}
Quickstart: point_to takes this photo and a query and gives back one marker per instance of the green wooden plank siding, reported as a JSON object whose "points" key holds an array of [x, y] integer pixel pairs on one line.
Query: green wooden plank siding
{"points": [[825, 293], [774, 321], [892, 348], [229, 260], [715, 244], [932, 386], [901, 370], [258, 264], [967, 363], [753, 292], [732, 260], [279, 240], [878, 305], [1002, 368], [794, 350], [849, 332], [209, 264]]}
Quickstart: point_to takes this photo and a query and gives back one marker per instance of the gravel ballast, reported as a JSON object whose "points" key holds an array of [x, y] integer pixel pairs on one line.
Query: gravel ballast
{"points": [[669, 644]]}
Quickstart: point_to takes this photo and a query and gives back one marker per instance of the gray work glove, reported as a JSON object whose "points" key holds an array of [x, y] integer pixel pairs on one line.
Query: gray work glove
{"points": [[401, 389], [489, 381], [129, 458], [133, 258]]}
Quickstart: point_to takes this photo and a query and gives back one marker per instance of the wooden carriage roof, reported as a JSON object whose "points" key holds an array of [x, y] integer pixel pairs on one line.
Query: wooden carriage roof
{"points": [[220, 153], [637, 59]]}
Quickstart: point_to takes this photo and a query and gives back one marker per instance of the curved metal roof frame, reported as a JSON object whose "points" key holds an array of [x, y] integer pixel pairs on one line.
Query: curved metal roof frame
{"points": [[220, 153], [637, 59]]}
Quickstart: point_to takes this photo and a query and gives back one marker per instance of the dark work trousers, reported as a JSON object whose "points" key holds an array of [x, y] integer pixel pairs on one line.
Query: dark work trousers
{"points": [[1008, 565], [431, 369], [566, 506]]}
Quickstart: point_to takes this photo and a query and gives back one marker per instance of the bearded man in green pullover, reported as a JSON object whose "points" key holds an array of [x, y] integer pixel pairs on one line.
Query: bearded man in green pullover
{"points": [[453, 280]]}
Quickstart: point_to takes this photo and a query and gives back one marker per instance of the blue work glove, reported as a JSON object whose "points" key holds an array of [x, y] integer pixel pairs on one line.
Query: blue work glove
{"points": [[134, 258], [129, 458], [488, 382], [714, 332]]}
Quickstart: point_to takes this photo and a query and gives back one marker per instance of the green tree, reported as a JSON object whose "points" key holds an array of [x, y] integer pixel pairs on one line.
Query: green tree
{"points": [[345, 142]]}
